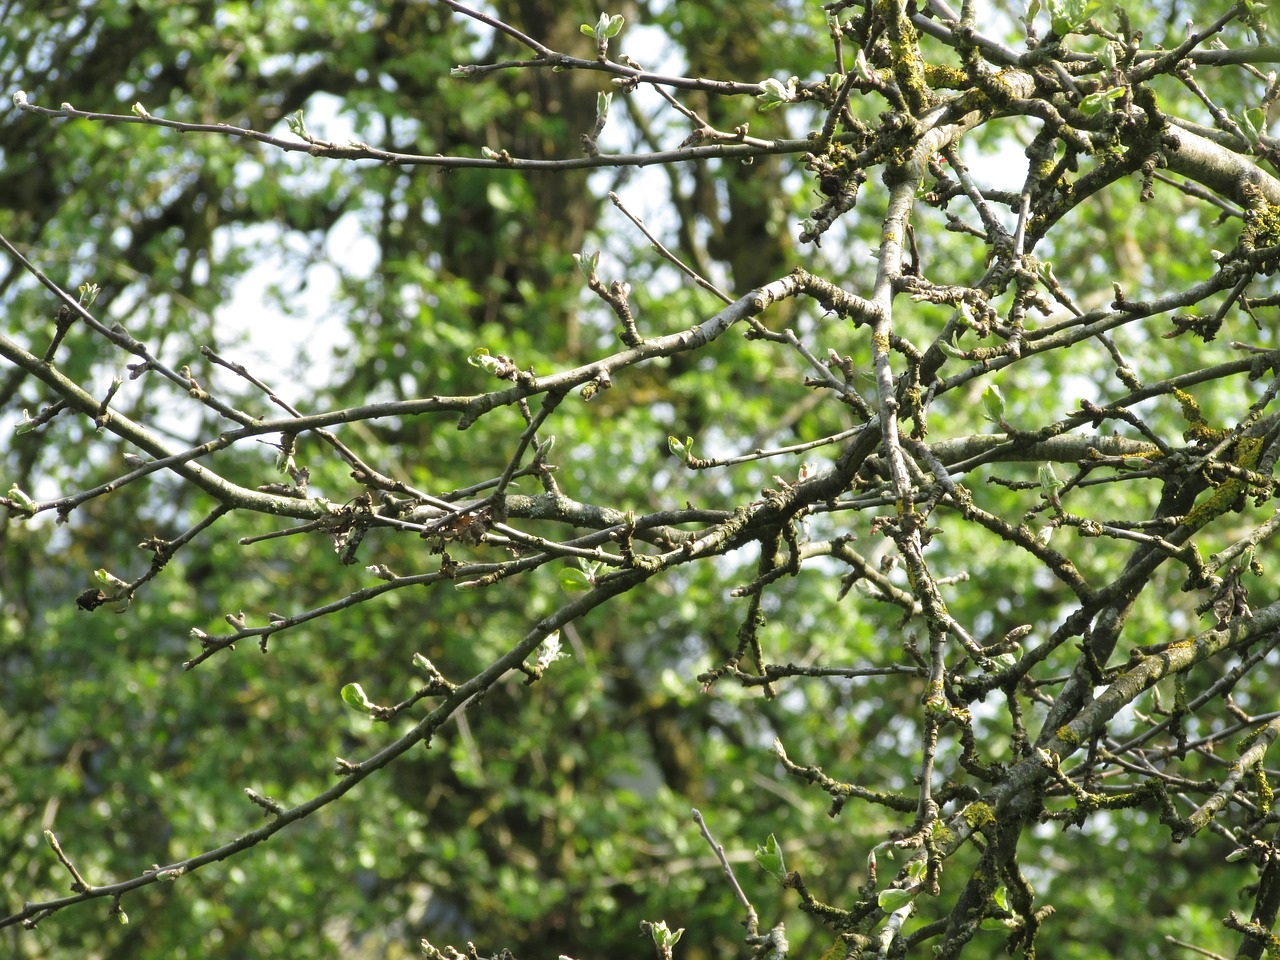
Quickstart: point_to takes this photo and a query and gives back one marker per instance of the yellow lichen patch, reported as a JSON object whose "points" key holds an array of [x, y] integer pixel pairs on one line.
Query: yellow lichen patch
{"points": [[1261, 226], [947, 77], [978, 815], [1244, 453], [1198, 429]]}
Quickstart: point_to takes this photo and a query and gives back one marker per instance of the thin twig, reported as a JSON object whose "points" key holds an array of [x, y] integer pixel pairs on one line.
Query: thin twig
{"points": [[753, 921], [358, 150], [667, 254]]}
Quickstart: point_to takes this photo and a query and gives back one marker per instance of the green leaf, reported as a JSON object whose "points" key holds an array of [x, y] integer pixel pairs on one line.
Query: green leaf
{"points": [[1067, 16], [885, 847], [481, 358], [606, 27], [993, 402], [1094, 102], [769, 856], [682, 450], [663, 937], [861, 67], [774, 93], [573, 580], [26, 424], [1049, 482], [108, 578], [891, 900], [1254, 123], [587, 263], [354, 697], [24, 502]]}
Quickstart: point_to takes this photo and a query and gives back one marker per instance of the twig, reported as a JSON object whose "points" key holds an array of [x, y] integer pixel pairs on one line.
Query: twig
{"points": [[1191, 946], [352, 773], [358, 150], [538, 48], [753, 921], [667, 254], [80, 885], [695, 463]]}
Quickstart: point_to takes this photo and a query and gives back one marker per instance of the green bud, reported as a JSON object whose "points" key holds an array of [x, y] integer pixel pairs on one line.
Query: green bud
{"points": [[774, 93], [1094, 102], [993, 401], [769, 857], [1049, 482], [24, 502], [682, 450], [354, 696], [663, 937]]}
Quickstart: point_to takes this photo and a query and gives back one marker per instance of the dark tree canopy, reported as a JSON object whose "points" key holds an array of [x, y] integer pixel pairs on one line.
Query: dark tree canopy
{"points": [[453, 442]]}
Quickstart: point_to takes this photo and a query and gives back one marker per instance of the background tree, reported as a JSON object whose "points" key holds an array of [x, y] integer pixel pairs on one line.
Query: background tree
{"points": [[911, 470]]}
